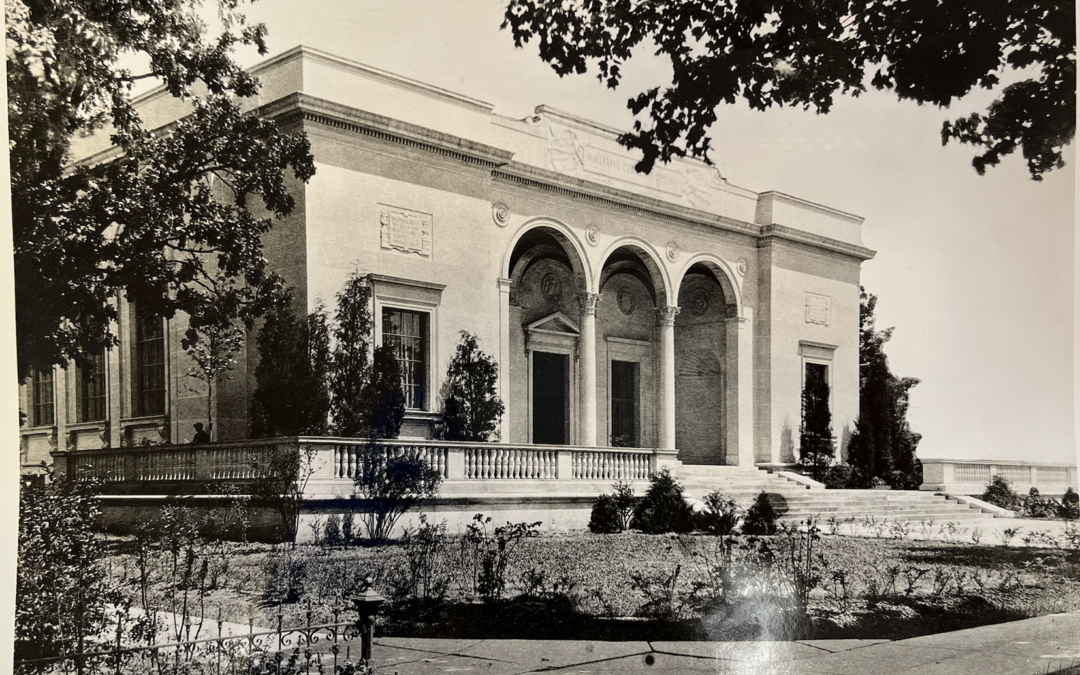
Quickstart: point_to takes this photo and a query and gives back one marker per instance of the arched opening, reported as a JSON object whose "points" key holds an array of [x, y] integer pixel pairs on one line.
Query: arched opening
{"points": [[631, 288], [701, 372], [547, 279]]}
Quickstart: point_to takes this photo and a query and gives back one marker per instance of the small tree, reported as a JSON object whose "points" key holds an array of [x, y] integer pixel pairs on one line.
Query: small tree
{"points": [[349, 362], [213, 348], [283, 475], [291, 393], [382, 402], [663, 508], [392, 484], [471, 407], [816, 446]]}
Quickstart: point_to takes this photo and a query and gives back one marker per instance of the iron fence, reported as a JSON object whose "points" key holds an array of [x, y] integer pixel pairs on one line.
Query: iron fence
{"points": [[314, 647]]}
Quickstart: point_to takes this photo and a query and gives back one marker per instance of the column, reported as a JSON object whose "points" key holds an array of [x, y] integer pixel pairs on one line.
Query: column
{"points": [[587, 360], [666, 320], [740, 390], [504, 356]]}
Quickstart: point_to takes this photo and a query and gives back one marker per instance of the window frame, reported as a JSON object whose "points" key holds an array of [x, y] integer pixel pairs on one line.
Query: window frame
{"points": [[83, 399], [139, 390], [424, 339], [635, 401], [36, 384], [411, 296]]}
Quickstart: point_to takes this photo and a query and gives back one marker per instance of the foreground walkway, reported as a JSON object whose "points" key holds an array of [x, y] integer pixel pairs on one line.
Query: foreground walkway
{"points": [[1039, 646]]}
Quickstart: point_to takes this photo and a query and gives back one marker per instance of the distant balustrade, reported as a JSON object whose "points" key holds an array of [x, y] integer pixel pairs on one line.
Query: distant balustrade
{"points": [[972, 476]]}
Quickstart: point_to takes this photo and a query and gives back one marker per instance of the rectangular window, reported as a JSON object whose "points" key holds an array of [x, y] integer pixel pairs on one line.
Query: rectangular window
{"points": [[149, 364], [624, 404], [407, 334], [816, 385], [90, 392], [41, 393]]}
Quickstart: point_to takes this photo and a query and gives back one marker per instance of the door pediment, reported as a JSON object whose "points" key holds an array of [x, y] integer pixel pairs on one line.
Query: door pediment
{"points": [[554, 333]]}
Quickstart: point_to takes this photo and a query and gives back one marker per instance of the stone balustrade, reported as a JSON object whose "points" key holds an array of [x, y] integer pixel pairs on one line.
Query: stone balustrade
{"points": [[336, 462], [971, 476]]}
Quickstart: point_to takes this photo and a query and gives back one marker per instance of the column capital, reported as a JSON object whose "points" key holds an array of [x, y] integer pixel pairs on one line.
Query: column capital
{"points": [[736, 320], [665, 314], [504, 284], [588, 302]]}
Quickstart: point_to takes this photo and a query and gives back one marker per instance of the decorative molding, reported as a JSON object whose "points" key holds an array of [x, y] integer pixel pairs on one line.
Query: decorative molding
{"points": [[672, 250], [741, 266], [818, 309], [665, 315], [405, 231], [588, 302], [592, 235], [500, 213]]}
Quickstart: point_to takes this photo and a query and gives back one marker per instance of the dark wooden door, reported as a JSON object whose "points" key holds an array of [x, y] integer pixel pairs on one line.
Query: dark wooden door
{"points": [[551, 374], [624, 404]]}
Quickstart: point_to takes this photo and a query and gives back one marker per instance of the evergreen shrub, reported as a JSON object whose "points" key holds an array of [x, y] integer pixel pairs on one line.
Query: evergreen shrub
{"points": [[760, 517], [663, 508]]}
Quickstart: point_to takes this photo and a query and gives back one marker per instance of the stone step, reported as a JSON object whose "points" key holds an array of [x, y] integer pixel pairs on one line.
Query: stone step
{"points": [[919, 514]]}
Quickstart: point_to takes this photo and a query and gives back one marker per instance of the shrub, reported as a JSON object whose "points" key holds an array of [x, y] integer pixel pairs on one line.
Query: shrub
{"points": [[760, 517], [62, 588], [426, 574], [1070, 505], [1000, 493], [471, 406], [722, 517], [663, 508], [349, 361], [615, 512], [392, 484], [382, 402], [840, 477], [605, 516], [332, 531], [486, 556], [1037, 506]]}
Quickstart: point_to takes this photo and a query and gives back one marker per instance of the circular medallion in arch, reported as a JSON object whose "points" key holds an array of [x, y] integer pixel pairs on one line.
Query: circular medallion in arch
{"points": [[592, 235], [551, 287], [700, 301], [625, 300], [741, 265]]}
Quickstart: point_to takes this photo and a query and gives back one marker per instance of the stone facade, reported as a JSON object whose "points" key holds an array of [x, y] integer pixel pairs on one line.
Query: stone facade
{"points": [[672, 310]]}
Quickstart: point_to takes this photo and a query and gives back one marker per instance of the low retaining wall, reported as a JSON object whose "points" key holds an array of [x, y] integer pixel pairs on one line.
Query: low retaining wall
{"points": [[970, 477]]}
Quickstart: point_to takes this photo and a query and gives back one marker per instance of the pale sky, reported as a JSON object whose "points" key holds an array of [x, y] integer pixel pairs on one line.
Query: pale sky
{"points": [[975, 272]]}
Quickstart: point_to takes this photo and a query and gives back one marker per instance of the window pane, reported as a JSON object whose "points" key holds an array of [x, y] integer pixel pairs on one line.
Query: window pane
{"points": [[149, 365], [624, 403], [91, 389], [407, 334], [41, 393]]}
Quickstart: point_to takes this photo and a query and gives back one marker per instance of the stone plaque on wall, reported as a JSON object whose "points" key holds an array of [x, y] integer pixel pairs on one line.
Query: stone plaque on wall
{"points": [[817, 309], [405, 231]]}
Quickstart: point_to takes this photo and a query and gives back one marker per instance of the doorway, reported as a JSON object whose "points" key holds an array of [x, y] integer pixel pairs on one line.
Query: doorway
{"points": [[550, 397]]}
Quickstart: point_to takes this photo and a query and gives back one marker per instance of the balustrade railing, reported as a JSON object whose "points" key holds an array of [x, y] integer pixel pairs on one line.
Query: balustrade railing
{"points": [[972, 476], [337, 459]]}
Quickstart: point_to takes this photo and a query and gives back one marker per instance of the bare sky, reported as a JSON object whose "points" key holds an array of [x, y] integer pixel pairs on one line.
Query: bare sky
{"points": [[975, 273]]}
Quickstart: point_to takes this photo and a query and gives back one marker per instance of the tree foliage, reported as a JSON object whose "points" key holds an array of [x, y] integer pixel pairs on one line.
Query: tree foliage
{"points": [[63, 589], [382, 402], [349, 363], [292, 396], [213, 353], [788, 52], [817, 446], [883, 444], [471, 405], [165, 215]]}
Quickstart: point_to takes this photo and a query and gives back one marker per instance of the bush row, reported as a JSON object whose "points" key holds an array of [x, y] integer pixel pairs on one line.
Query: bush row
{"points": [[1033, 505], [663, 508]]}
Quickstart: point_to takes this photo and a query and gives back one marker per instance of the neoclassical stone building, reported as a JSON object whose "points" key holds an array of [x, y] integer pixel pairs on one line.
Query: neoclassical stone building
{"points": [[671, 310]]}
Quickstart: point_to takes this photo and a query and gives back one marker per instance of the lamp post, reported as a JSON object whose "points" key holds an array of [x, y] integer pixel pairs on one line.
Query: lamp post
{"points": [[367, 606]]}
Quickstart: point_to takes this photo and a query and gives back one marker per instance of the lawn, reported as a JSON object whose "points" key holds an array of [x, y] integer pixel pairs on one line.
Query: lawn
{"points": [[521, 584]]}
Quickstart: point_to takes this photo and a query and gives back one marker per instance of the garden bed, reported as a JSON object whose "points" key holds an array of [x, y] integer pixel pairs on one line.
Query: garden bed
{"points": [[624, 587]]}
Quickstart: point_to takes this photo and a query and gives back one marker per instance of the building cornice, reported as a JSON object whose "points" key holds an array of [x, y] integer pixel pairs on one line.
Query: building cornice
{"points": [[299, 106], [771, 233]]}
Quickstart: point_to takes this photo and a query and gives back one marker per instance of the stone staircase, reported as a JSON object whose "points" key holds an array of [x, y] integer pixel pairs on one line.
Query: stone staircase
{"points": [[794, 501]]}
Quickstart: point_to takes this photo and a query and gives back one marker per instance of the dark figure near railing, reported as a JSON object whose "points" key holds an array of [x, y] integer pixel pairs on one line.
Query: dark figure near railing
{"points": [[201, 435]]}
